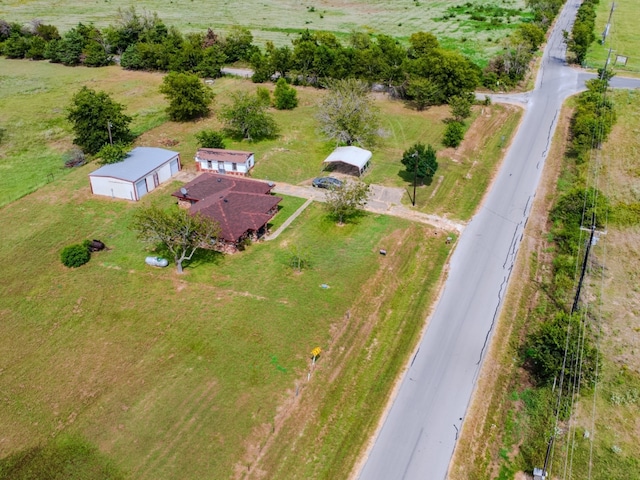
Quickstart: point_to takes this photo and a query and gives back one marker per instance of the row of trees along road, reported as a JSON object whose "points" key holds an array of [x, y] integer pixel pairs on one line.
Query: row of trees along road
{"points": [[423, 71]]}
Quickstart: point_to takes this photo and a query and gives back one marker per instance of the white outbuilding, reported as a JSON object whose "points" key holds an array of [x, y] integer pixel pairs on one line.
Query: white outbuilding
{"points": [[351, 157], [219, 160], [141, 172]]}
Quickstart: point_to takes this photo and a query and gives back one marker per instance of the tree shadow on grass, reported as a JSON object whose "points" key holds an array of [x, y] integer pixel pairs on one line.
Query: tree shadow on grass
{"points": [[408, 177], [66, 456], [204, 257], [200, 257]]}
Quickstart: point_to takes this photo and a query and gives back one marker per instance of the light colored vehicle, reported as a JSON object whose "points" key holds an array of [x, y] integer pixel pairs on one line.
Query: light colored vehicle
{"points": [[156, 261]]}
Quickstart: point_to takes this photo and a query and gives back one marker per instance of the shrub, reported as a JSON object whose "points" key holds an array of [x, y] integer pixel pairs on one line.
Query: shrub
{"points": [[453, 134], [285, 96], [210, 139], [74, 256]]}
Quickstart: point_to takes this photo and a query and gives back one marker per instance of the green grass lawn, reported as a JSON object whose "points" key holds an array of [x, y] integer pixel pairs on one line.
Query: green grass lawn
{"points": [[281, 20], [33, 101], [167, 375], [623, 38]]}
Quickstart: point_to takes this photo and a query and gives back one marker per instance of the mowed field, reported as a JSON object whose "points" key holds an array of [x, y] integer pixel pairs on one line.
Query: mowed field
{"points": [[167, 376], [280, 20], [623, 38]]}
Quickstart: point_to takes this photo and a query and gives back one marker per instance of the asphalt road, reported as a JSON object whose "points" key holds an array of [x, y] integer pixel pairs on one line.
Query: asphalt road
{"points": [[420, 430]]}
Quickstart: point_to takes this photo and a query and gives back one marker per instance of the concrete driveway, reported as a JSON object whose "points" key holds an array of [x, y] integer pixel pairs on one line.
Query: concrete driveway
{"points": [[383, 200]]}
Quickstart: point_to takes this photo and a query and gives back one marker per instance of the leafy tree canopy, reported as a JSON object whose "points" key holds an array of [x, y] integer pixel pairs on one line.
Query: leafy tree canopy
{"points": [[347, 113], [421, 161], [93, 114], [113, 153], [345, 202], [188, 97], [246, 117], [210, 139], [285, 96], [453, 134], [176, 230]]}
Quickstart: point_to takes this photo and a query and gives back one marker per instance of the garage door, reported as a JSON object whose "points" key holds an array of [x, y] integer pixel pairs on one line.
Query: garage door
{"points": [[141, 188], [174, 167]]}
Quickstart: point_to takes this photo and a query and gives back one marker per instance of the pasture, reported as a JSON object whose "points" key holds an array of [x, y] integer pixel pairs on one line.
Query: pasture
{"points": [[474, 27]]}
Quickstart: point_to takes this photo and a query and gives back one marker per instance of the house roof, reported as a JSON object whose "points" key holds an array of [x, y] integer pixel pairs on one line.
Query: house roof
{"points": [[209, 184], [140, 162], [221, 155], [237, 204], [356, 156]]}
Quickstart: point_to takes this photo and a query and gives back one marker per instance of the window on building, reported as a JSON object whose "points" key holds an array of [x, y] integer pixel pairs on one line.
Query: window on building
{"points": [[234, 167], [209, 165]]}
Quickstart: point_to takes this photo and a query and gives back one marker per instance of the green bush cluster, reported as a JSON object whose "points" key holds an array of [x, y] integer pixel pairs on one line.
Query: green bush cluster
{"points": [[453, 134], [76, 255], [593, 118], [582, 34]]}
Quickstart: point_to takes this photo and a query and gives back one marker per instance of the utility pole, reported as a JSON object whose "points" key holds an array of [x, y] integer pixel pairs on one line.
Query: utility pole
{"points": [[109, 129], [606, 28], [415, 177], [574, 308]]}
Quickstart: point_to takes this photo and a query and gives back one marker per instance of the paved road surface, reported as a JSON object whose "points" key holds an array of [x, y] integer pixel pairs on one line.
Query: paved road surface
{"points": [[419, 433]]}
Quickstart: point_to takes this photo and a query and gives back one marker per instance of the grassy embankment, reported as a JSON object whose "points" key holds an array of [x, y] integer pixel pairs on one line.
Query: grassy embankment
{"points": [[476, 28], [600, 439], [173, 376]]}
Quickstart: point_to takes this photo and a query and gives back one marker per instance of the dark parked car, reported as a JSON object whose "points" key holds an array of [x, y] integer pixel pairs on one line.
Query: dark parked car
{"points": [[326, 182]]}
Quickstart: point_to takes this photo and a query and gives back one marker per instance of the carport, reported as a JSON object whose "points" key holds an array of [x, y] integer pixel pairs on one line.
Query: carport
{"points": [[352, 159]]}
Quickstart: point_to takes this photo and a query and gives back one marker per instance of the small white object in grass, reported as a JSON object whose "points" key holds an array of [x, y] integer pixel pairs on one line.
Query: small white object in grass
{"points": [[324, 285]]}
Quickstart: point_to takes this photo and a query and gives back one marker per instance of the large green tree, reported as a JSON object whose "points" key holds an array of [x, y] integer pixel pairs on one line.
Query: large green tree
{"points": [[347, 113], [176, 230], [420, 161], [345, 201], [188, 97], [97, 120], [246, 118]]}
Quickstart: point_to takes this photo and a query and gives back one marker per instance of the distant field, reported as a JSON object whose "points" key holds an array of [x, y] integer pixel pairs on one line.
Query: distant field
{"points": [[623, 37], [280, 20]]}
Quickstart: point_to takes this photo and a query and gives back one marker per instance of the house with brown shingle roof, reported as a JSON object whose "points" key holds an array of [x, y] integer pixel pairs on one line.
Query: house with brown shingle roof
{"points": [[218, 160], [241, 206]]}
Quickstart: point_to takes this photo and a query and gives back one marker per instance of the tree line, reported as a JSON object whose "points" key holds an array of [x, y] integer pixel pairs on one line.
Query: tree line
{"points": [[422, 72]]}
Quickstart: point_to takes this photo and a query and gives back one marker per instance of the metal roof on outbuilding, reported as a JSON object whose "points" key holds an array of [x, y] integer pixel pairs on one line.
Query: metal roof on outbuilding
{"points": [[140, 162], [356, 156]]}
